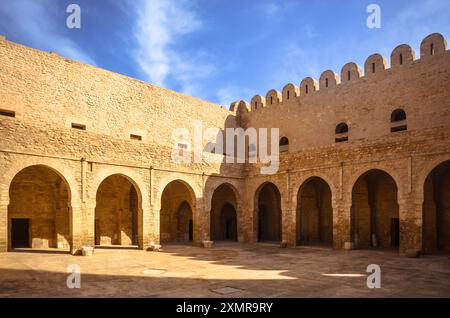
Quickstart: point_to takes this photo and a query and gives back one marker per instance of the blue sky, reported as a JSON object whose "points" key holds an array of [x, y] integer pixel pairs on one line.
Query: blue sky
{"points": [[222, 50]]}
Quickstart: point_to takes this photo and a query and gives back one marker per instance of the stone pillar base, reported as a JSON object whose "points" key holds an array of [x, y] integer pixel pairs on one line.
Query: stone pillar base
{"points": [[207, 244], [349, 246]]}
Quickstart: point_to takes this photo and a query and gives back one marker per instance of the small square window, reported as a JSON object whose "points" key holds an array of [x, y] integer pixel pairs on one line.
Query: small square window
{"points": [[7, 113], [135, 137], [78, 126]]}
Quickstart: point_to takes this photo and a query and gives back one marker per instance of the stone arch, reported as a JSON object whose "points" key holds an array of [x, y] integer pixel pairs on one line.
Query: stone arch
{"points": [[350, 71], [224, 213], [328, 79], [375, 216], [118, 211], [374, 64], [436, 209], [174, 197], [393, 173], [314, 213], [308, 86], [290, 92], [433, 44], [40, 212], [402, 55], [268, 214]]}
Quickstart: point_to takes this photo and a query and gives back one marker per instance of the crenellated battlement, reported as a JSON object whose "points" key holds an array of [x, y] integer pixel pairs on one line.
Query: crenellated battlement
{"points": [[433, 45]]}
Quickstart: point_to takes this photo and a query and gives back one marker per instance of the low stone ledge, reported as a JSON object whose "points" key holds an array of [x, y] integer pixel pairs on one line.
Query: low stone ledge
{"points": [[87, 250], [154, 247], [207, 244]]}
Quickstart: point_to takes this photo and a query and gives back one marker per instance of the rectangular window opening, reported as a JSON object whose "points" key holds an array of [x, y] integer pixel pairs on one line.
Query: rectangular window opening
{"points": [[135, 137], [348, 75], [399, 128], [373, 67], [341, 139], [78, 126], [432, 49], [401, 59], [7, 113]]}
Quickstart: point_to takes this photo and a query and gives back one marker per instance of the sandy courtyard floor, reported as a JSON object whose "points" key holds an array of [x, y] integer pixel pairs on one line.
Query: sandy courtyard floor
{"points": [[227, 270]]}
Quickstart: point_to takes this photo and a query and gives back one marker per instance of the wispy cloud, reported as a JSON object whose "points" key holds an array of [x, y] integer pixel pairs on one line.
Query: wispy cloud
{"points": [[160, 26], [34, 22], [269, 8], [229, 94]]}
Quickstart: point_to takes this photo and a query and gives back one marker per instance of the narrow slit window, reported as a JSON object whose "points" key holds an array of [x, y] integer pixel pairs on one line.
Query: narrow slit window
{"points": [[288, 94], [7, 113], [78, 126], [271, 100], [135, 137], [326, 82], [256, 105], [373, 67], [348, 75], [401, 59], [306, 89], [431, 49]]}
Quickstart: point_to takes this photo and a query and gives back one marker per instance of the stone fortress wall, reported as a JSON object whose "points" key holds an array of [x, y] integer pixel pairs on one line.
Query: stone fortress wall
{"points": [[85, 156]]}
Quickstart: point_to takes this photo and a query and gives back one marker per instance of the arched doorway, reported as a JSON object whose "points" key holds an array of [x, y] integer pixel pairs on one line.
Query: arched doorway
{"points": [[375, 213], [223, 214], [177, 213], [116, 212], [314, 213], [39, 212], [436, 210], [268, 216]]}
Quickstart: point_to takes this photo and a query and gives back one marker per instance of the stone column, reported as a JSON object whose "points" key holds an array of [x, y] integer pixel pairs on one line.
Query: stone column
{"points": [[342, 236], [76, 230], [289, 233], [4, 231], [410, 213]]}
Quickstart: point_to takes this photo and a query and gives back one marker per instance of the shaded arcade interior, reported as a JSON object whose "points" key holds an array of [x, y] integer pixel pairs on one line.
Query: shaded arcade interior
{"points": [[39, 209], [177, 213], [224, 224], [375, 218], [314, 213], [436, 210], [116, 212], [268, 213]]}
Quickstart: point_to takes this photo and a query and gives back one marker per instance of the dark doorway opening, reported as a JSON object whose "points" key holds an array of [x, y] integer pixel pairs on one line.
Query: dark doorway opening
{"points": [[395, 232], [20, 233], [191, 231]]}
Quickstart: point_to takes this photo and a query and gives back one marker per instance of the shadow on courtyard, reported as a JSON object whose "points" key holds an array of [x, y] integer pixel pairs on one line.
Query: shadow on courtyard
{"points": [[249, 270]]}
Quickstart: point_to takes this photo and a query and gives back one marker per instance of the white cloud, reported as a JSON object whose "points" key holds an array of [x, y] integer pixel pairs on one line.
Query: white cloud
{"points": [[270, 8], [34, 23], [229, 94], [161, 24]]}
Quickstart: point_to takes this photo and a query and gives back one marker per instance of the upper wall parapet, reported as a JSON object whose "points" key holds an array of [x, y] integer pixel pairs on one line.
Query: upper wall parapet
{"points": [[433, 45]]}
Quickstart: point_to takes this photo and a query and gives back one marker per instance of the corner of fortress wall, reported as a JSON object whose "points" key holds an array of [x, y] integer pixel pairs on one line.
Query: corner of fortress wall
{"points": [[432, 45]]}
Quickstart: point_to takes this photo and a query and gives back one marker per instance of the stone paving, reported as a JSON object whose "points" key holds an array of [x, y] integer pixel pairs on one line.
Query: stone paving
{"points": [[227, 270]]}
